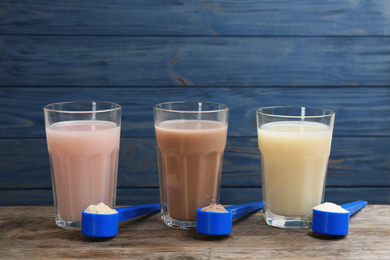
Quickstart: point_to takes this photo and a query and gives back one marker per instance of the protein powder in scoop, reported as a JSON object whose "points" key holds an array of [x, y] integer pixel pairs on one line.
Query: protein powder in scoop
{"points": [[100, 208], [330, 207], [214, 208]]}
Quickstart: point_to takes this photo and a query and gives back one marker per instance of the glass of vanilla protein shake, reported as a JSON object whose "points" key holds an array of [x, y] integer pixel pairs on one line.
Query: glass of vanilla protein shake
{"points": [[83, 144], [295, 144], [190, 142]]}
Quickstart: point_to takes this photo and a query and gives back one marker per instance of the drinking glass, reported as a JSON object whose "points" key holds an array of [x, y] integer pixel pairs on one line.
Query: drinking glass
{"points": [[190, 141], [83, 144], [295, 144]]}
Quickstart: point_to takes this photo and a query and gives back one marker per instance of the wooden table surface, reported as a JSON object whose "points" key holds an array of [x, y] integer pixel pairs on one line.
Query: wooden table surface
{"points": [[30, 233]]}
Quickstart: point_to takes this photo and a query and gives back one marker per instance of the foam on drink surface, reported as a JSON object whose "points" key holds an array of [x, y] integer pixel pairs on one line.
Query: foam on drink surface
{"points": [[295, 127], [83, 125]]}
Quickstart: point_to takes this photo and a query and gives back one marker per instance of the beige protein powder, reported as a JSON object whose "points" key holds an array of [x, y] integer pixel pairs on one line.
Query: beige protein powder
{"points": [[214, 208], [330, 207], [100, 208]]}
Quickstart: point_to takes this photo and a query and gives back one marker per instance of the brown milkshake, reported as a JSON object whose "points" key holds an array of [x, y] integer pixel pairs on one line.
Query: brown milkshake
{"points": [[190, 161]]}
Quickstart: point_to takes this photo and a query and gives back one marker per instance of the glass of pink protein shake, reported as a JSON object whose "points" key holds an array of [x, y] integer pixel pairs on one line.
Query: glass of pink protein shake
{"points": [[190, 142], [83, 144]]}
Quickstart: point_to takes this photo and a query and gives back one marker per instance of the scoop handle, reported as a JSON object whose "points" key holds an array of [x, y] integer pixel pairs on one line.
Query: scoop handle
{"points": [[354, 207], [239, 210], [135, 211]]}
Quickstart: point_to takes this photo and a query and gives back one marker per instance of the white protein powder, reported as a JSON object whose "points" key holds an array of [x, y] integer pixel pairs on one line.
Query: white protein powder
{"points": [[330, 207], [100, 208]]}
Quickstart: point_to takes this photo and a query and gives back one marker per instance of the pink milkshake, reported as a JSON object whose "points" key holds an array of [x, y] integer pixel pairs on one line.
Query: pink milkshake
{"points": [[84, 165]]}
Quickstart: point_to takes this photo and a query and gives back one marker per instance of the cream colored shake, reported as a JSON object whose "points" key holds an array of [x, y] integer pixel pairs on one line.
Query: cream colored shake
{"points": [[294, 157]]}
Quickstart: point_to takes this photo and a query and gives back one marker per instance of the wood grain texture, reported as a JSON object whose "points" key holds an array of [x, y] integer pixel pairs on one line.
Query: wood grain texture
{"points": [[194, 61], [360, 112], [147, 238], [354, 162], [196, 17]]}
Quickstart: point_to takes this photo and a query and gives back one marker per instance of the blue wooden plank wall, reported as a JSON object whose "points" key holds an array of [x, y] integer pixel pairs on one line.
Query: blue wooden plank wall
{"points": [[246, 54]]}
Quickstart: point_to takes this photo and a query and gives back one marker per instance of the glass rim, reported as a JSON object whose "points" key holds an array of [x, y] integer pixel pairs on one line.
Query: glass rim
{"points": [[329, 113], [116, 107], [224, 107]]}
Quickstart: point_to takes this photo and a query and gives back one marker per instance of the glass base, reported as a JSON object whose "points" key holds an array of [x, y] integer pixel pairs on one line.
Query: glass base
{"points": [[69, 225], [180, 224], [287, 222]]}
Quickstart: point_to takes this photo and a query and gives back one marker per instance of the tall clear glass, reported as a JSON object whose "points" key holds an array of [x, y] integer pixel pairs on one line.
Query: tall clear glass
{"points": [[295, 144], [83, 143], [190, 141]]}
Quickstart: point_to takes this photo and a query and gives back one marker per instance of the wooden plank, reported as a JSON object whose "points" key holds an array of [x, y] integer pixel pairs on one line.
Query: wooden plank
{"points": [[228, 196], [354, 162], [146, 237], [196, 17], [194, 61], [359, 111]]}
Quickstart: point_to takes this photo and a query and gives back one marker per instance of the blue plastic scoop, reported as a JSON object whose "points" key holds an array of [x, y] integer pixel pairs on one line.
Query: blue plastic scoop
{"points": [[106, 225], [335, 223], [220, 223]]}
